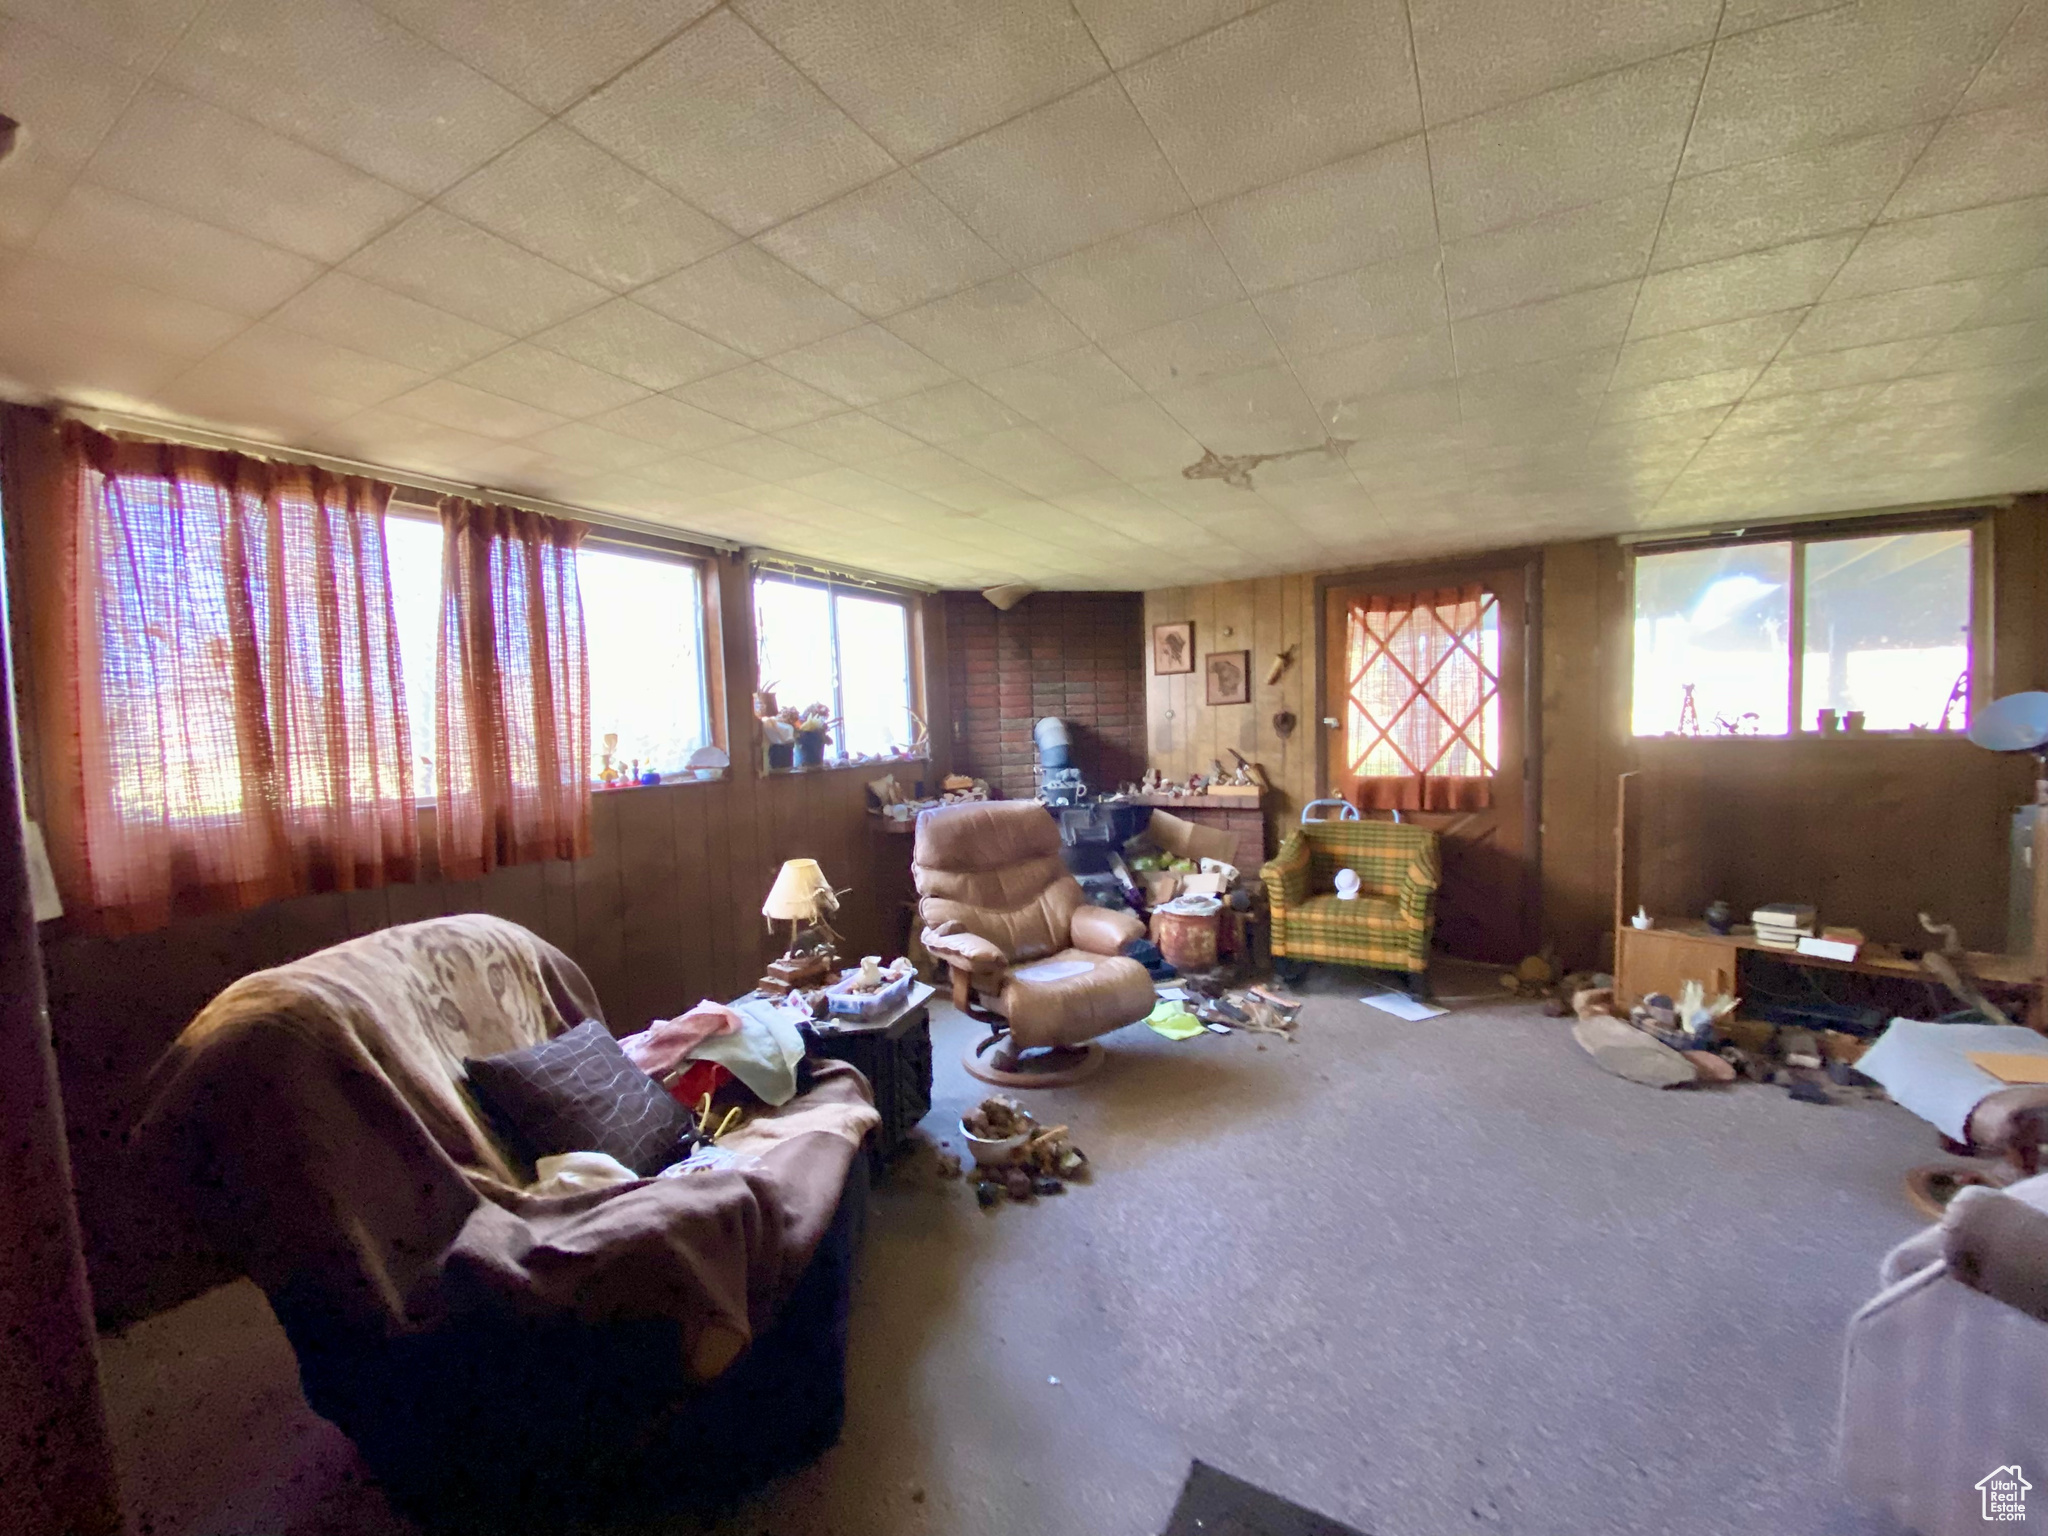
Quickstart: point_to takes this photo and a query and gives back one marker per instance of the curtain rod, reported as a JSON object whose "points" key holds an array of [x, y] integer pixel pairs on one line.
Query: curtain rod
{"points": [[1736, 529], [130, 425], [773, 560]]}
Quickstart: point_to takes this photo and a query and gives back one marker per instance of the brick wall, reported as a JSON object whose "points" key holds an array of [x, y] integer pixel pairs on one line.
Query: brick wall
{"points": [[1077, 655]]}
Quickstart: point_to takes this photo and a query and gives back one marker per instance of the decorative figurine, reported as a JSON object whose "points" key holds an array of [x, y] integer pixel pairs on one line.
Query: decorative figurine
{"points": [[608, 776]]}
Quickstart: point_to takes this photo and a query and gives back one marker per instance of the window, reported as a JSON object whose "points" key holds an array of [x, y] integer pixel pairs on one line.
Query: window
{"points": [[643, 624], [1879, 624], [845, 647], [1422, 698]]}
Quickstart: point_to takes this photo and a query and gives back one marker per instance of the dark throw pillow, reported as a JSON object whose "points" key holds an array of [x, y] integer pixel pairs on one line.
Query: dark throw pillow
{"points": [[580, 1093]]}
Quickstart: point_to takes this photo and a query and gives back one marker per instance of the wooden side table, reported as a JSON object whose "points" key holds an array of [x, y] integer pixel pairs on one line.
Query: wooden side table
{"points": [[894, 1053]]}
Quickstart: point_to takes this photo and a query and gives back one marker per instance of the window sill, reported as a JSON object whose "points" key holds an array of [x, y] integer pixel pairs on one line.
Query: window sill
{"points": [[672, 781], [840, 764]]}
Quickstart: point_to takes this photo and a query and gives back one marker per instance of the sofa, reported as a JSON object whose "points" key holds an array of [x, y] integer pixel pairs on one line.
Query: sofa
{"points": [[1945, 1373], [491, 1349], [1388, 924]]}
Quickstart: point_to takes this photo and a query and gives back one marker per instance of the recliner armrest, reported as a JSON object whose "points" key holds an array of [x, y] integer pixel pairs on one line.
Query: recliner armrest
{"points": [[1101, 931], [957, 946], [1997, 1243]]}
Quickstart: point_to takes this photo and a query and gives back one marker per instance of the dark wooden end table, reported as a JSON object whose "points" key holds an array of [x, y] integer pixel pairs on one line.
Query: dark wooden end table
{"points": [[894, 1052]]}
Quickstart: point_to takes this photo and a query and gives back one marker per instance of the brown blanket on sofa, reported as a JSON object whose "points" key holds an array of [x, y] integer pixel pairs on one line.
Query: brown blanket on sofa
{"points": [[318, 1114]]}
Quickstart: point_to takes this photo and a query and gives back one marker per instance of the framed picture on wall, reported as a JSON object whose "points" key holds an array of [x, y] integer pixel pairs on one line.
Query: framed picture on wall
{"points": [[1229, 677], [1173, 648]]}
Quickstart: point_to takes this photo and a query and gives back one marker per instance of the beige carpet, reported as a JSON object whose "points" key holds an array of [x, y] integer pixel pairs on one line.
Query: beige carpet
{"points": [[1421, 1277]]}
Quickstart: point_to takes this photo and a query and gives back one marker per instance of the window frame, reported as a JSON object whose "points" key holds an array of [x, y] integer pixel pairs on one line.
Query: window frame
{"points": [[1975, 521], [710, 640], [913, 653]]}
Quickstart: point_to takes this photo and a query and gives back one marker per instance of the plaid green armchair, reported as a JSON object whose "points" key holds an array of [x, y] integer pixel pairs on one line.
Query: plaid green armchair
{"points": [[1389, 923]]}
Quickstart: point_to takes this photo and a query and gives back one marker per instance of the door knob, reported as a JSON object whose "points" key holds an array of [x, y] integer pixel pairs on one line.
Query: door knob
{"points": [[1331, 722]]}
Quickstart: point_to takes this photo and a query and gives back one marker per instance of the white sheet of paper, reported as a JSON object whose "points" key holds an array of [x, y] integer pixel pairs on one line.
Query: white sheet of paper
{"points": [[1401, 1006], [1217, 1029], [1172, 994]]}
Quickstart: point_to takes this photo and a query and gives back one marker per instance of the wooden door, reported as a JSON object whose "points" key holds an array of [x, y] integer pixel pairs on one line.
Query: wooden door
{"points": [[1487, 906]]}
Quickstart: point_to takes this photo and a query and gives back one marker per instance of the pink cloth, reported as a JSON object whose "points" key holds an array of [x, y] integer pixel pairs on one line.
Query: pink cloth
{"points": [[666, 1044]]}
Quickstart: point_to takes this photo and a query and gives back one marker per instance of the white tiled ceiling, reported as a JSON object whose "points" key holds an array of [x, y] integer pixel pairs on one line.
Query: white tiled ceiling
{"points": [[957, 290]]}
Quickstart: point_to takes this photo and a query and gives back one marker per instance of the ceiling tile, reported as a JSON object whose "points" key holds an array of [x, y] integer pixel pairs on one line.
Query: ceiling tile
{"points": [[766, 458], [1839, 73], [292, 361], [1895, 316], [1388, 299], [948, 413], [596, 449], [757, 396], [334, 74], [1129, 30], [549, 51], [1984, 346], [2004, 237], [96, 304], [1569, 386], [559, 195], [921, 74], [978, 492], [1033, 460], [68, 97], [750, 301], [1992, 156], [1823, 191], [1339, 381], [1055, 385], [1577, 322], [1471, 59], [379, 436], [352, 313], [1262, 410], [2017, 69], [2023, 296], [44, 356], [1356, 211], [852, 437], [1612, 134], [1807, 372], [1163, 272], [632, 341], [448, 404], [1747, 15], [1687, 394], [251, 404], [699, 477], [29, 193], [885, 247], [1758, 283], [1225, 340], [1287, 88], [863, 366], [1794, 413], [1065, 175], [451, 264], [1584, 248], [548, 380], [921, 469], [722, 118], [179, 151], [669, 423], [1682, 354], [170, 252], [996, 325]]}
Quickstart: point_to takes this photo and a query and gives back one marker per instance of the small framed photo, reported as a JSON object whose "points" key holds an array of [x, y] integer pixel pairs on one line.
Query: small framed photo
{"points": [[1229, 677], [1173, 648]]}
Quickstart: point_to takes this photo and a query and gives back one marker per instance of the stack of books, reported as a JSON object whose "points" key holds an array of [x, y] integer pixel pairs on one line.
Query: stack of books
{"points": [[1782, 924]]}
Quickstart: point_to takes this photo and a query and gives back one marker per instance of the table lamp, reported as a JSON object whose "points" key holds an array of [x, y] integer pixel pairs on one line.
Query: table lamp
{"points": [[801, 896]]}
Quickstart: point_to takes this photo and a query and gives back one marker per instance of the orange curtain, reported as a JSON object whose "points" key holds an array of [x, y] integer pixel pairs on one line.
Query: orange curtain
{"points": [[219, 708], [512, 709], [1422, 705]]}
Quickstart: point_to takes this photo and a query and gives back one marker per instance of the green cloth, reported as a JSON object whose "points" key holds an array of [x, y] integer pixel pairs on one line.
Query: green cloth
{"points": [[1174, 1021]]}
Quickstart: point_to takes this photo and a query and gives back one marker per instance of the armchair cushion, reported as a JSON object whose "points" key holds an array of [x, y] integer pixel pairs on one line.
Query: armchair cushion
{"points": [[1101, 931]]}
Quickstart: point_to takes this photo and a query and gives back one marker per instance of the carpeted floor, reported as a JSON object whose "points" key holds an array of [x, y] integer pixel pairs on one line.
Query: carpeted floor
{"points": [[1421, 1278]]}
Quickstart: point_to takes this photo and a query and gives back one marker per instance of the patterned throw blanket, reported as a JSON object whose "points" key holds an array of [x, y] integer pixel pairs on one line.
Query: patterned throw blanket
{"points": [[319, 1117]]}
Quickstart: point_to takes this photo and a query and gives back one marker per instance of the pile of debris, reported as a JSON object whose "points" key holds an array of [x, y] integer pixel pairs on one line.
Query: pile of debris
{"points": [[1696, 1040], [1044, 1162]]}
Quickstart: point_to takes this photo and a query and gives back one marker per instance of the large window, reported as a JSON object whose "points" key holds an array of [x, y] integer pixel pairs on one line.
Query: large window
{"points": [[845, 647], [1805, 634], [643, 623]]}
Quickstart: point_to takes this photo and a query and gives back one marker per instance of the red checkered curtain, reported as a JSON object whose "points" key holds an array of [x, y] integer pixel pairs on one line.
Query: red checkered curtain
{"points": [[1422, 699]]}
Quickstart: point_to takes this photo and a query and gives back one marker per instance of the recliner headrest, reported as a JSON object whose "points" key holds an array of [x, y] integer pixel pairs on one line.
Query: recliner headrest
{"points": [[985, 835]]}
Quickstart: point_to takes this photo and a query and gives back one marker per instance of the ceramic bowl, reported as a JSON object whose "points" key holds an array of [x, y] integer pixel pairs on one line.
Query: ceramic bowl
{"points": [[993, 1153]]}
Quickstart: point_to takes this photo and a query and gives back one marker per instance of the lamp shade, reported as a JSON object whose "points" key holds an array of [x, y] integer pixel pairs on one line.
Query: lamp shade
{"points": [[800, 893]]}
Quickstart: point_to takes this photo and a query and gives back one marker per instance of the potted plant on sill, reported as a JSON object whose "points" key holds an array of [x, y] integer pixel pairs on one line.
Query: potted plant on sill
{"points": [[813, 729]]}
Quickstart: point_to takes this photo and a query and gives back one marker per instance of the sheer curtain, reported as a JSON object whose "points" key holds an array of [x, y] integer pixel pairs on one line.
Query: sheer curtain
{"points": [[512, 711], [218, 703], [1422, 700]]}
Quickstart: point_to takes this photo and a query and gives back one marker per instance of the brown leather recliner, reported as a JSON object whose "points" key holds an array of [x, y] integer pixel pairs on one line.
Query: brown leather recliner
{"points": [[1025, 948]]}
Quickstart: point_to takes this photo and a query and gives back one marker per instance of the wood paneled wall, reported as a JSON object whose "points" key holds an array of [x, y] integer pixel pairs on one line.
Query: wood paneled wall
{"points": [[1185, 734], [1872, 830], [665, 911]]}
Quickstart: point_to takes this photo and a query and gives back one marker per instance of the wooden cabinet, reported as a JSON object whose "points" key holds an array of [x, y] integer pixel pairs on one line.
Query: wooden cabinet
{"points": [[1662, 960]]}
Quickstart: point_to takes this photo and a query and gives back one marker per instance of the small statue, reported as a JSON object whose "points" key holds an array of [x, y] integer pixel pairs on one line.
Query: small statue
{"points": [[609, 775]]}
